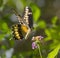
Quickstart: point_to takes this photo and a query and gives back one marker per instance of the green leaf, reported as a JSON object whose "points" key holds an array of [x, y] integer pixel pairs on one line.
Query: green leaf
{"points": [[3, 47], [42, 24], [53, 53], [54, 20], [36, 12], [5, 27], [47, 32]]}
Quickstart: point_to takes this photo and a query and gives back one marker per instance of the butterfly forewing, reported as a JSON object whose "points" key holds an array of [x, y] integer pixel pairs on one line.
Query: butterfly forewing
{"points": [[28, 17]]}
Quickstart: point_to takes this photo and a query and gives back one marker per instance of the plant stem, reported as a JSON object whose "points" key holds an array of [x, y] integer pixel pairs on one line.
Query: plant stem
{"points": [[39, 50]]}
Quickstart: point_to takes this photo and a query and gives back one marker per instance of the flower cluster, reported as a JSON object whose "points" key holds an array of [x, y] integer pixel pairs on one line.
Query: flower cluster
{"points": [[34, 45], [35, 40]]}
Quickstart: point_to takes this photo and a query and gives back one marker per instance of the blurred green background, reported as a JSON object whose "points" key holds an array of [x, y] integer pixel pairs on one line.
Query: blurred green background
{"points": [[46, 18]]}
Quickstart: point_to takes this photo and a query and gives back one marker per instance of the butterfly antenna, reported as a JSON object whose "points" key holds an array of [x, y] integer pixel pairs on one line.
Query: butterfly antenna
{"points": [[18, 16]]}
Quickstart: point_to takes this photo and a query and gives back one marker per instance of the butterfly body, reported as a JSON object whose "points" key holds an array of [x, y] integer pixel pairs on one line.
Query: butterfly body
{"points": [[23, 27]]}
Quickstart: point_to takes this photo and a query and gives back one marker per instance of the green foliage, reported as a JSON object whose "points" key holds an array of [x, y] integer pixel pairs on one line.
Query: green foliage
{"points": [[53, 53], [54, 20], [2, 36], [47, 32], [4, 29], [14, 56], [1, 2], [36, 12], [42, 24], [3, 47]]}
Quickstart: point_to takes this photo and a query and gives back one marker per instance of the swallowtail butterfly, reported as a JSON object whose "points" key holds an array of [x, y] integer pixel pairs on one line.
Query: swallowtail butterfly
{"points": [[22, 29]]}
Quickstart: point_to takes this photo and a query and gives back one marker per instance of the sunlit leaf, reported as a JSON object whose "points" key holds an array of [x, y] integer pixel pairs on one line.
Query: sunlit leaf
{"points": [[54, 44], [54, 20], [5, 27], [47, 32], [42, 24], [53, 53]]}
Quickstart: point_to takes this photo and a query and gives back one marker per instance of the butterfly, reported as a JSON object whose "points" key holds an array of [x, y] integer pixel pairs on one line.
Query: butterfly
{"points": [[22, 29]]}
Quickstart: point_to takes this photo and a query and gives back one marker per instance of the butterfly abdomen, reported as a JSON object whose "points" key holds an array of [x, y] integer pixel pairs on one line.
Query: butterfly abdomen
{"points": [[17, 31]]}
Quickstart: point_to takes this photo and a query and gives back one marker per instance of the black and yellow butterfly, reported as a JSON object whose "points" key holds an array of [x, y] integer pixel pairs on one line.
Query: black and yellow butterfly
{"points": [[22, 29]]}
